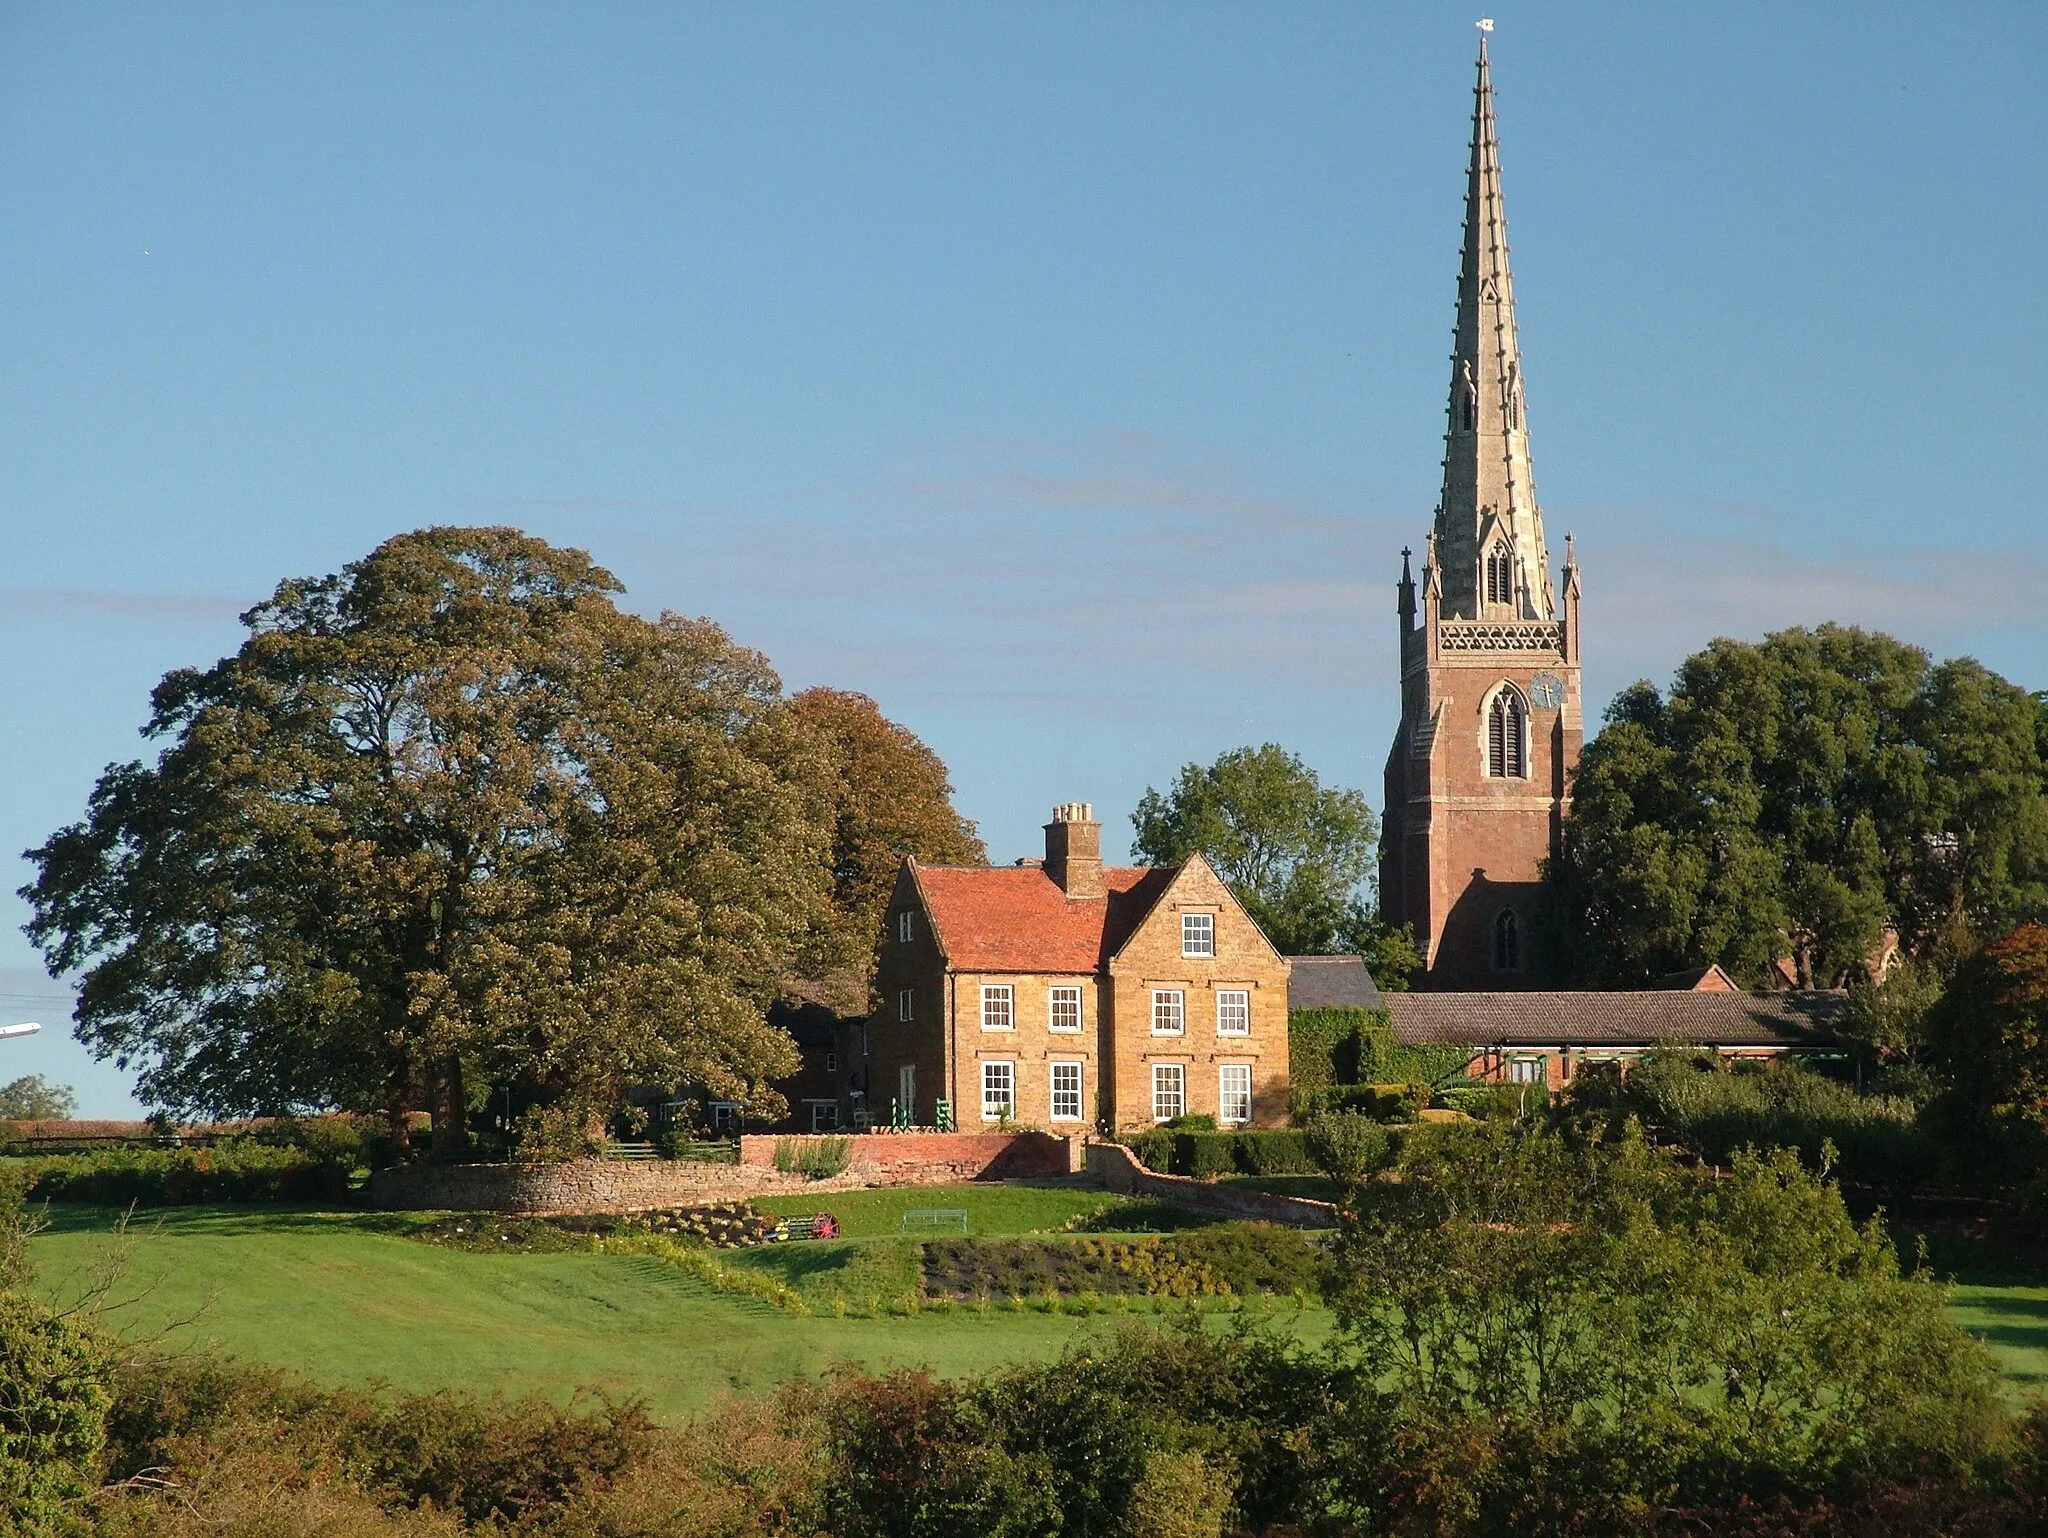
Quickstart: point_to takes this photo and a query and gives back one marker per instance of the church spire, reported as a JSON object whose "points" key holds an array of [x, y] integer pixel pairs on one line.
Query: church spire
{"points": [[1489, 531]]}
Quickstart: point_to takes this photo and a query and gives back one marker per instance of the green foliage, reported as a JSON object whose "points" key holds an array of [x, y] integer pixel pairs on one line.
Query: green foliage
{"points": [[1275, 1152], [1205, 1155], [1215, 1259], [54, 1398], [448, 816], [1493, 1102], [1295, 853], [34, 1098], [890, 798], [1989, 1038], [1381, 1102], [1690, 1098], [1605, 1328], [818, 1157], [1211, 1154], [1194, 1122], [1329, 1047], [1794, 796], [1346, 1145], [241, 1170]]}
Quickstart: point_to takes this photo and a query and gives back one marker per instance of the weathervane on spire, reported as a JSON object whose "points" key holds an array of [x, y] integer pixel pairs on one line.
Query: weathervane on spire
{"points": [[1484, 24]]}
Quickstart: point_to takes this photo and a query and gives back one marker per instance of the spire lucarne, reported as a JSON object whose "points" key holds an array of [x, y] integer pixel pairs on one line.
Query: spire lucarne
{"points": [[1489, 533]]}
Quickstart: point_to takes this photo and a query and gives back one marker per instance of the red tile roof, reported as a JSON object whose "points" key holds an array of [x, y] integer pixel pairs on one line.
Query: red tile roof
{"points": [[1010, 918]]}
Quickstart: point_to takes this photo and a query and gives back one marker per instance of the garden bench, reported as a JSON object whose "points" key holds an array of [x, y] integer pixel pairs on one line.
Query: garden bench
{"points": [[934, 1218]]}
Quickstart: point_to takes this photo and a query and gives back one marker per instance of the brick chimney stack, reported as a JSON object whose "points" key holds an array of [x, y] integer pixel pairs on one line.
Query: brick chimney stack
{"points": [[1073, 849]]}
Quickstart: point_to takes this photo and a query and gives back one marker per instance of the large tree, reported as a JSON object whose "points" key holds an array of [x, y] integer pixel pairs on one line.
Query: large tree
{"points": [[1794, 797], [1988, 1038], [446, 817], [1295, 852], [890, 798]]}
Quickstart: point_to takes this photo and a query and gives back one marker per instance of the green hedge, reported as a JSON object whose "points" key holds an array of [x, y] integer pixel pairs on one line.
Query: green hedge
{"points": [[1382, 1102], [236, 1171], [1209, 1154]]}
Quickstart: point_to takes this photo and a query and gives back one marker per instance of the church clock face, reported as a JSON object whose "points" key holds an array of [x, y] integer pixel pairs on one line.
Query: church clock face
{"points": [[1547, 690]]}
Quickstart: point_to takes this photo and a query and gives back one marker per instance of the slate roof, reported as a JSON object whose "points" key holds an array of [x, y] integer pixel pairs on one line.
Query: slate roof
{"points": [[1804, 1020], [1015, 918], [1330, 982]]}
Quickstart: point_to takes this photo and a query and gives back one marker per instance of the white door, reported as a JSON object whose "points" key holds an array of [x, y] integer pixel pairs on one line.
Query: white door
{"points": [[906, 1091]]}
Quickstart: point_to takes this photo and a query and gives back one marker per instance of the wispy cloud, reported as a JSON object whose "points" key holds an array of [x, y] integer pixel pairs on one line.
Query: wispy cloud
{"points": [[176, 608]]}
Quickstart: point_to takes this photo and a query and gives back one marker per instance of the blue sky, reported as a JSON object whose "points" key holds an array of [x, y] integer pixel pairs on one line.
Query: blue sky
{"points": [[1068, 377]]}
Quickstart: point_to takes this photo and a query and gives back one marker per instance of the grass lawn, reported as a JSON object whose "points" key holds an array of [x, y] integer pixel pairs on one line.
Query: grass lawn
{"points": [[347, 1298]]}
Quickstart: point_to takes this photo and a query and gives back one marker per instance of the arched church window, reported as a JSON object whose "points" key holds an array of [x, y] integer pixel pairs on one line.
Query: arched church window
{"points": [[1507, 942], [1500, 575], [1507, 737]]}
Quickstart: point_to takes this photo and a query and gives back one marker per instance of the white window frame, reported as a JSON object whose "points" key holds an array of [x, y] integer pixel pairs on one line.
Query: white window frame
{"points": [[831, 1062], [1054, 1091], [998, 1100], [824, 1115], [998, 1007], [1170, 1004], [1228, 1002], [1168, 1103], [1528, 1070], [1198, 934], [1054, 997], [1225, 1073], [906, 1004], [906, 926]]}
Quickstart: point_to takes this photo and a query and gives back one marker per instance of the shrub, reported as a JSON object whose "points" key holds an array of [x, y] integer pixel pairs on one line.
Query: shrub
{"points": [[1204, 1155], [236, 1171], [1192, 1123], [1494, 1102], [1274, 1153], [1345, 1145], [1678, 1093], [54, 1397], [818, 1157], [1154, 1149], [1380, 1102]]}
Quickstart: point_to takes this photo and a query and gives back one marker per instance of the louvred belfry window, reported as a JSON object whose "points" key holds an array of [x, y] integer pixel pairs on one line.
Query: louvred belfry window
{"points": [[1500, 576], [1507, 737]]}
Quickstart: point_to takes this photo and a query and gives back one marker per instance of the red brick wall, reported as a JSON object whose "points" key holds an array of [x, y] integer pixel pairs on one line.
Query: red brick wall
{"points": [[912, 1158]]}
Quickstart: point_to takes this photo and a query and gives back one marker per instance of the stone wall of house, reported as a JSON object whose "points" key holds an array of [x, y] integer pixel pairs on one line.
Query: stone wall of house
{"points": [[1119, 1170], [1151, 959], [939, 1158], [628, 1185]]}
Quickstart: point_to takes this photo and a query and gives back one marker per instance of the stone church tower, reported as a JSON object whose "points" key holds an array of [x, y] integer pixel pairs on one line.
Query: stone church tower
{"points": [[1490, 723]]}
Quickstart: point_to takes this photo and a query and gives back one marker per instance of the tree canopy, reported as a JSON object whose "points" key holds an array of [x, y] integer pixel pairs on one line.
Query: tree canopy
{"points": [[1297, 853], [890, 798], [1792, 798], [447, 818], [34, 1098]]}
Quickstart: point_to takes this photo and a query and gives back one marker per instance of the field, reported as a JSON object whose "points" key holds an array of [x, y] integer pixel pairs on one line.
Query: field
{"points": [[348, 1298]]}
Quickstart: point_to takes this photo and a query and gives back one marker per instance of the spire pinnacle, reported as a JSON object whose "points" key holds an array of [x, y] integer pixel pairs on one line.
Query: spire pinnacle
{"points": [[1488, 526]]}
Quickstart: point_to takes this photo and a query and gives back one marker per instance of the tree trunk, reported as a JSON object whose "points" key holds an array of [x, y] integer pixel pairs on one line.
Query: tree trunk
{"points": [[451, 1110], [398, 1112]]}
